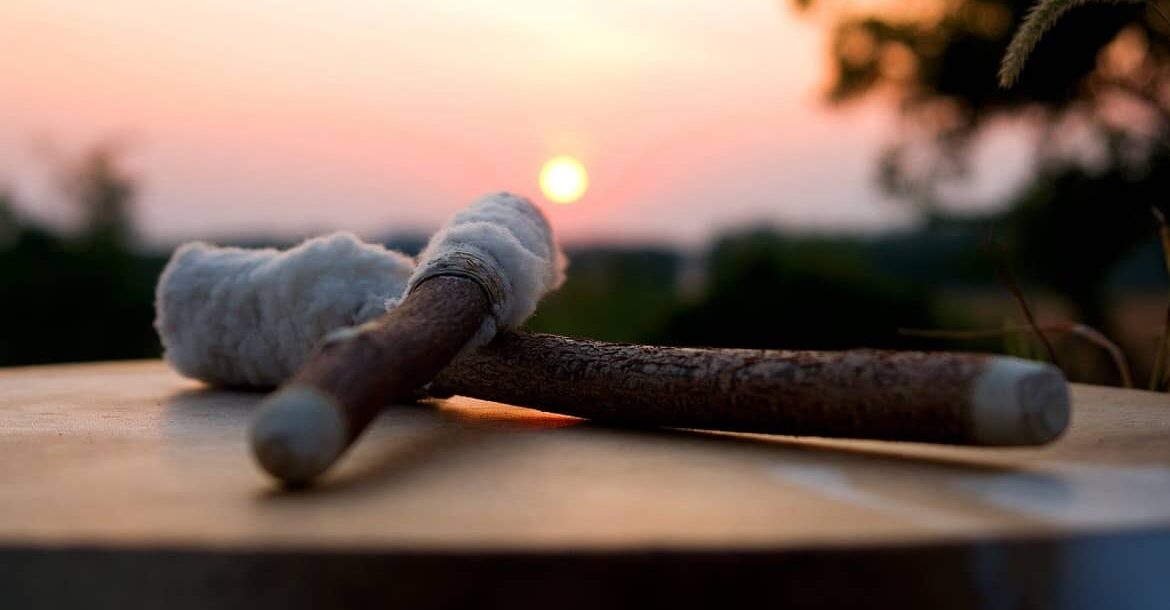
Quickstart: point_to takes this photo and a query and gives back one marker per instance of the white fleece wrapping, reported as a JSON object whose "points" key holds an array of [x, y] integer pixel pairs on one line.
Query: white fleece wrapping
{"points": [[513, 252], [238, 317]]}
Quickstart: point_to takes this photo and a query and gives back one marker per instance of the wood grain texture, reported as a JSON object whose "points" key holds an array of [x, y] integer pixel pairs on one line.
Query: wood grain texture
{"points": [[125, 475], [133, 454]]}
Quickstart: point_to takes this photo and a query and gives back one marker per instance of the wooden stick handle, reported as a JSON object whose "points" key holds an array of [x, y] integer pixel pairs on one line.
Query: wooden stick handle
{"points": [[907, 396], [309, 422]]}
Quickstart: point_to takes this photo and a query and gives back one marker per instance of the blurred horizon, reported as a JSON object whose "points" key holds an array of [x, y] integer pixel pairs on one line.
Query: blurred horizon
{"points": [[285, 120], [805, 174]]}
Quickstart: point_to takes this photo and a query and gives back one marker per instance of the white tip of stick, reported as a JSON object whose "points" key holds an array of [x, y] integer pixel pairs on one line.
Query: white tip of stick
{"points": [[298, 433], [1019, 402]]}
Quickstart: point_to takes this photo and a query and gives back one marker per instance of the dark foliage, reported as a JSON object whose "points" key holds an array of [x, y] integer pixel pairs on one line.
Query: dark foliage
{"points": [[767, 292], [1105, 68], [85, 296]]}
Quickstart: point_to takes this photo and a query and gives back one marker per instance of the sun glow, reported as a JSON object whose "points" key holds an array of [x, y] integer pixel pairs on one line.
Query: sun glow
{"points": [[563, 179]]}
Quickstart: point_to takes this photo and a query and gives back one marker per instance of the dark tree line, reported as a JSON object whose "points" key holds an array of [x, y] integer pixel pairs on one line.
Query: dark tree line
{"points": [[81, 295], [1104, 70]]}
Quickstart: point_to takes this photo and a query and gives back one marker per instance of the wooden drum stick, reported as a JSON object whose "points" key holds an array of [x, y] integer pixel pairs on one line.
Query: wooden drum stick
{"points": [[249, 318], [953, 398], [307, 424], [486, 269]]}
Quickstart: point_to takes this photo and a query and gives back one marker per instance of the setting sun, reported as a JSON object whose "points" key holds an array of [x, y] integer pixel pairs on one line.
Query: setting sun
{"points": [[563, 179]]}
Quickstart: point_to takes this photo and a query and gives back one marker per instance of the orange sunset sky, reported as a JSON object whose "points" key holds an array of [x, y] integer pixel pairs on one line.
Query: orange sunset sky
{"points": [[293, 116]]}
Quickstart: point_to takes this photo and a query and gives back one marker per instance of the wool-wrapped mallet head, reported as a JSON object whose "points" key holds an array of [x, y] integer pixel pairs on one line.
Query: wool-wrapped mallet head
{"points": [[505, 244], [237, 317], [240, 317]]}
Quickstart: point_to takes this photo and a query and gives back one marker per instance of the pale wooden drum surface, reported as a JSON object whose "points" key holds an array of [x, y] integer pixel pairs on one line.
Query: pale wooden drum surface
{"points": [[130, 454]]}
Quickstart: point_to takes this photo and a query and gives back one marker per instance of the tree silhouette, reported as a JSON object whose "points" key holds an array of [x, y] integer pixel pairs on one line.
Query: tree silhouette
{"points": [[1104, 69], [97, 184], [77, 297]]}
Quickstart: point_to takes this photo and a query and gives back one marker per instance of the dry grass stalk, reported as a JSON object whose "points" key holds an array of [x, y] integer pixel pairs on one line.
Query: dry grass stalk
{"points": [[1008, 278], [1159, 373], [1087, 333], [1037, 22]]}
